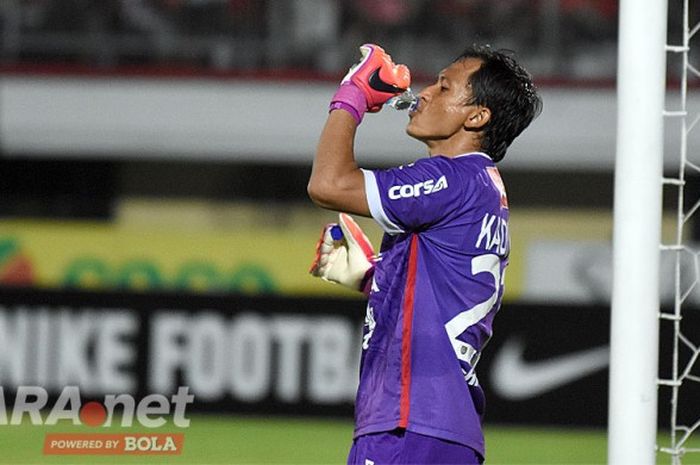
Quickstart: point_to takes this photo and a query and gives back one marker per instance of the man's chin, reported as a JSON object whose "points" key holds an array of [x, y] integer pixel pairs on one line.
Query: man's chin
{"points": [[413, 132], [420, 135]]}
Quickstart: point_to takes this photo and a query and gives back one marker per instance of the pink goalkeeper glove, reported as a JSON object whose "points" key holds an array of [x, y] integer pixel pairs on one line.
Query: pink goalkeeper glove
{"points": [[344, 255], [370, 83]]}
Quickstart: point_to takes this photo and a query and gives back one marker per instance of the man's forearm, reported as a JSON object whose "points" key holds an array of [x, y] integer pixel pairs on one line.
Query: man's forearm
{"points": [[336, 181]]}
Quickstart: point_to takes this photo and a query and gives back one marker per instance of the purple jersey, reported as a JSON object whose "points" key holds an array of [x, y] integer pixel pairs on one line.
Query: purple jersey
{"points": [[437, 286]]}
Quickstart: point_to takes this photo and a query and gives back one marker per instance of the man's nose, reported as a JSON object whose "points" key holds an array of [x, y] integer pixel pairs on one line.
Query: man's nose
{"points": [[424, 94]]}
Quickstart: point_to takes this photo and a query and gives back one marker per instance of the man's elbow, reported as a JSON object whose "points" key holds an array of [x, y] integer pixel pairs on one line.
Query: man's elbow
{"points": [[320, 193]]}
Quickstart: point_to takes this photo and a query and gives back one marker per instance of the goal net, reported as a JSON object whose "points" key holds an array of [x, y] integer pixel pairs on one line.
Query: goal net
{"points": [[679, 378]]}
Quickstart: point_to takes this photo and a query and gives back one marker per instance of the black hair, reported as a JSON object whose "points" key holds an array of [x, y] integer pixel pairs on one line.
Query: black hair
{"points": [[505, 88]]}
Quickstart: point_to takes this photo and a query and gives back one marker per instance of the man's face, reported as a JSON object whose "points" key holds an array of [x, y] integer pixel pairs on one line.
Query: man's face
{"points": [[443, 107]]}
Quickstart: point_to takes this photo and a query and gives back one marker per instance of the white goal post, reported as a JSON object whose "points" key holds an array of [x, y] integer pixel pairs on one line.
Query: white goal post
{"points": [[634, 335]]}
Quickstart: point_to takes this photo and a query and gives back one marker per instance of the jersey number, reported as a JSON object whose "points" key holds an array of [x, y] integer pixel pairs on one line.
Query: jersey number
{"points": [[465, 352]]}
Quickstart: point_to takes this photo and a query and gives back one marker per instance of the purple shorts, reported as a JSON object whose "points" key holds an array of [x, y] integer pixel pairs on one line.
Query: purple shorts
{"points": [[404, 447]]}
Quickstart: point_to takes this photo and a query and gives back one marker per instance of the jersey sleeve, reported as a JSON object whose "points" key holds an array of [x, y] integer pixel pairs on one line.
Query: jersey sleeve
{"points": [[416, 196]]}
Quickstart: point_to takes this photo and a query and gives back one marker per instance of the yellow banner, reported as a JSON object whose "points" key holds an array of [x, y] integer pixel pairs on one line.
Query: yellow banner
{"points": [[141, 254], [106, 257]]}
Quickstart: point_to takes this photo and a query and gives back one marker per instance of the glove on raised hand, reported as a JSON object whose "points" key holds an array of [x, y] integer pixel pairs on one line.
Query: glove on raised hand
{"points": [[370, 83], [344, 255]]}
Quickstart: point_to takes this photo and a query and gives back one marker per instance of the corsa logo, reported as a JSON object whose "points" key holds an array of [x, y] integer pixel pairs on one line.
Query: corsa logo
{"points": [[415, 190]]}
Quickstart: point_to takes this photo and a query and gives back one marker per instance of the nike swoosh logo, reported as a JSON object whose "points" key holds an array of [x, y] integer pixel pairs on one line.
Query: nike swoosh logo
{"points": [[513, 378], [376, 83]]}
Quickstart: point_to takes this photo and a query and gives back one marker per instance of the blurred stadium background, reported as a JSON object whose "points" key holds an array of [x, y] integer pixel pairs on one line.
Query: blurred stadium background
{"points": [[155, 229]]}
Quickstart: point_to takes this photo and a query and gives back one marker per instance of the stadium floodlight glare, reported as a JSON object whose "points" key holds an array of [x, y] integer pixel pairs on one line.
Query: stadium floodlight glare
{"points": [[637, 233]]}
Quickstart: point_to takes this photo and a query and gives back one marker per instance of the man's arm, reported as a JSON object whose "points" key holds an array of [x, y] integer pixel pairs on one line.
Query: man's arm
{"points": [[336, 181]]}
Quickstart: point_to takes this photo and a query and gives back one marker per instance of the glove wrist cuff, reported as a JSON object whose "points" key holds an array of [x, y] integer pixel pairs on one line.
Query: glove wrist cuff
{"points": [[350, 98], [366, 283]]}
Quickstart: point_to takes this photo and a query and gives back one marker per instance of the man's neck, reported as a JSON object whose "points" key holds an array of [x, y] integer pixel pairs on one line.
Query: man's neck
{"points": [[458, 144], [450, 150]]}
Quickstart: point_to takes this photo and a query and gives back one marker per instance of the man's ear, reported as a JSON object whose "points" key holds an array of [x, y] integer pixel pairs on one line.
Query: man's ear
{"points": [[477, 118]]}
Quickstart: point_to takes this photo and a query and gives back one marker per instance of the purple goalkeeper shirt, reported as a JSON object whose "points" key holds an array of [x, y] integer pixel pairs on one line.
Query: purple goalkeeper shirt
{"points": [[436, 288]]}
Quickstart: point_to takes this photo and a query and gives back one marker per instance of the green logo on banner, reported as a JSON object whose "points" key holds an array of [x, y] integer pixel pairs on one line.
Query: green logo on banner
{"points": [[15, 268], [144, 275]]}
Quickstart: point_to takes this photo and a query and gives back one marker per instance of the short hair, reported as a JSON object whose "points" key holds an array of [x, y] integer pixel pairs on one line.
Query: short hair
{"points": [[505, 88]]}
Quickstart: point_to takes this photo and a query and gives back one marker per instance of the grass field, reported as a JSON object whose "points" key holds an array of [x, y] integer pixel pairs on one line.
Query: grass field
{"points": [[255, 440]]}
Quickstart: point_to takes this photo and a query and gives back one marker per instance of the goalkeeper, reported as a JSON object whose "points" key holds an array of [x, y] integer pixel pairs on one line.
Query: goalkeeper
{"points": [[437, 282]]}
